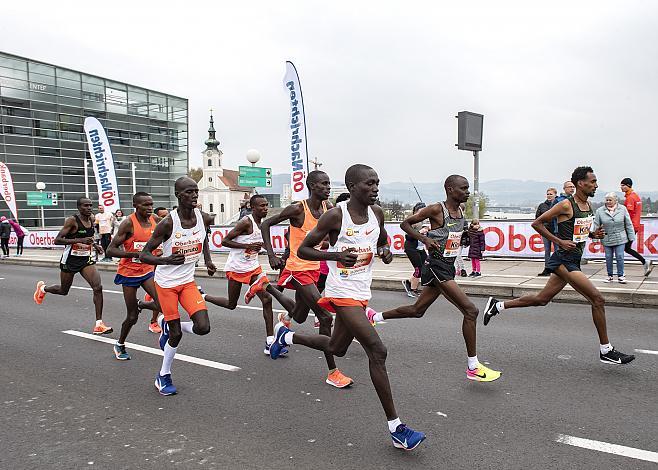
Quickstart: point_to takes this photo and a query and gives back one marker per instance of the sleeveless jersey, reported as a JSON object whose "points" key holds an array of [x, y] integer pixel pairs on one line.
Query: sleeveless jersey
{"points": [[449, 235], [187, 241], [353, 282], [133, 267], [78, 250], [297, 235], [576, 228], [241, 260]]}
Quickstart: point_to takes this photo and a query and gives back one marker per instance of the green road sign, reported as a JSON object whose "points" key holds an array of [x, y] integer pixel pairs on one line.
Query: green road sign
{"points": [[40, 198], [255, 182], [255, 172]]}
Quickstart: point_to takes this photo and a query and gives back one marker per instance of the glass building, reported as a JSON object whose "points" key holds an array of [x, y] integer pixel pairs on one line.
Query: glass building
{"points": [[42, 110]]}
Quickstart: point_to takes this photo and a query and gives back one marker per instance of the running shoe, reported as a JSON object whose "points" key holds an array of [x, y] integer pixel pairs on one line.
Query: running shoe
{"points": [[544, 273], [279, 343], [120, 352], [608, 279], [164, 333], [316, 323], [417, 292], [147, 298], [338, 379], [490, 310], [102, 329], [39, 294], [203, 292], [407, 287], [165, 385], [463, 273], [282, 318], [648, 267], [370, 313], [615, 357], [155, 328], [621, 279], [482, 374], [406, 438], [255, 288], [266, 351]]}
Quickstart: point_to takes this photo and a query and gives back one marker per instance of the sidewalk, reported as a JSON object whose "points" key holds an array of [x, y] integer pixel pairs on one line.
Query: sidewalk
{"points": [[503, 278]]}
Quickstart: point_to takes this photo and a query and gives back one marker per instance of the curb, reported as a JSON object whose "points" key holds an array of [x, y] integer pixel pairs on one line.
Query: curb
{"points": [[616, 297]]}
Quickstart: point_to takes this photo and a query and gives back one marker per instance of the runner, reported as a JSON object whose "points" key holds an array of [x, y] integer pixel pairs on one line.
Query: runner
{"points": [[356, 233], [77, 236], [242, 266], [443, 243], [183, 237], [574, 220], [302, 275], [127, 244]]}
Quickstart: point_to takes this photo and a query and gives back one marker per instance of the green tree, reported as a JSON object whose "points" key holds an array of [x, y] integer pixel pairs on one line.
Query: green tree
{"points": [[195, 173], [393, 210], [483, 203]]}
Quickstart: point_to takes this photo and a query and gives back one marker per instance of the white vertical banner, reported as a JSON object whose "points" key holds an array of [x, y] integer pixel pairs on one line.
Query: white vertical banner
{"points": [[298, 146], [101, 156], [8, 189]]}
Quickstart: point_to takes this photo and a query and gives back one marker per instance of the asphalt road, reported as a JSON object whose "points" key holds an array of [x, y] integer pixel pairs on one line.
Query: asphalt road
{"points": [[67, 403]]}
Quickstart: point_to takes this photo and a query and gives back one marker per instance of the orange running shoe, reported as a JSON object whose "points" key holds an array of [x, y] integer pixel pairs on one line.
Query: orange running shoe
{"points": [[255, 288], [338, 379], [102, 329], [147, 298], [155, 328], [39, 293], [282, 318]]}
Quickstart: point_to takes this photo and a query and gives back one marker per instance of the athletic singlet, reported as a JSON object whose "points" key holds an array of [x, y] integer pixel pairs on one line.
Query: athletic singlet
{"points": [[354, 282], [297, 235], [187, 241], [78, 250], [133, 267], [449, 235], [576, 229], [241, 260]]}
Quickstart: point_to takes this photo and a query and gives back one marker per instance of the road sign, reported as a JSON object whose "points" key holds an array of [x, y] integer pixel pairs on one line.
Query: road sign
{"points": [[255, 172], [255, 182], [40, 198]]}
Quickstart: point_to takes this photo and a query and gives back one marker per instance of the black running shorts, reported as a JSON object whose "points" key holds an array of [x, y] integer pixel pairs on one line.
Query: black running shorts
{"points": [[568, 259], [75, 264], [437, 270]]}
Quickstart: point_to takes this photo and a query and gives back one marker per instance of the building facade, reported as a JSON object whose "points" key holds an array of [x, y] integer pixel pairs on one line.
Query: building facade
{"points": [[220, 194], [42, 110]]}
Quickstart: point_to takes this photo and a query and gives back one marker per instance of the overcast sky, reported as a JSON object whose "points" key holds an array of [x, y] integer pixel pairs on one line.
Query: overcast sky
{"points": [[560, 85]]}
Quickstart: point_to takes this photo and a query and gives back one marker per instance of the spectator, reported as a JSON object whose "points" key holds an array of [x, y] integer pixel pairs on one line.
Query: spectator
{"points": [[551, 194], [568, 189], [118, 218], [104, 221], [20, 236], [5, 233], [161, 212], [415, 251], [616, 222], [633, 204], [245, 209], [477, 246], [460, 267], [342, 197]]}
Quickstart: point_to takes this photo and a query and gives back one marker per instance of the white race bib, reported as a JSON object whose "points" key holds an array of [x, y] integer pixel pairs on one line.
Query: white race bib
{"points": [[80, 249], [453, 245], [581, 228]]}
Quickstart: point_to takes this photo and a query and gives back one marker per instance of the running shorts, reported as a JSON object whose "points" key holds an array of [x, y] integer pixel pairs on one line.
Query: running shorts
{"points": [[304, 278], [568, 259], [128, 281], [437, 270], [328, 303], [243, 278], [75, 264], [187, 295]]}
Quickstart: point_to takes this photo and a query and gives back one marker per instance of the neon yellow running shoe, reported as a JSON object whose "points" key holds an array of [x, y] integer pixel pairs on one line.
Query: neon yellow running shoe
{"points": [[482, 374]]}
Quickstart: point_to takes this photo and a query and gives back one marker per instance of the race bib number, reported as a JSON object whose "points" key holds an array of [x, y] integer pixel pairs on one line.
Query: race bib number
{"points": [[80, 249], [581, 228], [250, 255], [364, 257], [139, 246], [453, 245], [192, 251]]}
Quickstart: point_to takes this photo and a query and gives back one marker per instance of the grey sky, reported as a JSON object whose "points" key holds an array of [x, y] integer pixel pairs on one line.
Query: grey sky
{"points": [[563, 84]]}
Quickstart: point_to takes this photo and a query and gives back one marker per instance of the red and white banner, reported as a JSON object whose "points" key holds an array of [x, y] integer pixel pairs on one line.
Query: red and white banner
{"points": [[101, 156], [513, 239], [7, 187]]}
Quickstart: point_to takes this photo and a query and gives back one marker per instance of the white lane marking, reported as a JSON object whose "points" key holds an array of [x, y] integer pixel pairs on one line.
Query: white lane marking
{"points": [[647, 351], [157, 352], [608, 448], [2, 278]]}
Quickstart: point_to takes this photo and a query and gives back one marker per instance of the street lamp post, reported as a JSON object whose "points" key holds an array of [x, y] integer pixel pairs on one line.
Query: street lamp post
{"points": [[132, 169], [41, 186]]}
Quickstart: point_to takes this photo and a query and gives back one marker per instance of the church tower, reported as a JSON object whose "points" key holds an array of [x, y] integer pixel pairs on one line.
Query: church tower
{"points": [[212, 160]]}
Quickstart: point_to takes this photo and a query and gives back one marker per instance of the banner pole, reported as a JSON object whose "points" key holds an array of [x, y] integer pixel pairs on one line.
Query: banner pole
{"points": [[86, 165]]}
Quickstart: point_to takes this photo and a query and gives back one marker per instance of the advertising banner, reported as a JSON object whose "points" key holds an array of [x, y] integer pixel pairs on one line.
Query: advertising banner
{"points": [[298, 146], [101, 156], [7, 187]]}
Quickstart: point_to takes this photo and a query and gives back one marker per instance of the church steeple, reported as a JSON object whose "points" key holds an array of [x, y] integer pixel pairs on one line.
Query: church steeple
{"points": [[212, 143]]}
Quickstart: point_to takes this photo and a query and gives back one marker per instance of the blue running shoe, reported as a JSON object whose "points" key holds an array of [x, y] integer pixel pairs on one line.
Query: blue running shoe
{"points": [[406, 438], [165, 385], [266, 351], [279, 344], [120, 352], [164, 334]]}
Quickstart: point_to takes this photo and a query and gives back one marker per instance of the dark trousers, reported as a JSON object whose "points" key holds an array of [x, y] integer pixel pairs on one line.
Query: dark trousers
{"points": [[549, 247], [19, 245], [105, 242], [634, 253], [5, 246]]}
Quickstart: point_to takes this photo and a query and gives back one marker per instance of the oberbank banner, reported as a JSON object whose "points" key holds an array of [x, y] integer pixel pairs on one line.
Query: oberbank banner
{"points": [[101, 156], [297, 127], [514, 239]]}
